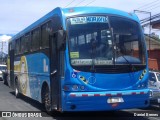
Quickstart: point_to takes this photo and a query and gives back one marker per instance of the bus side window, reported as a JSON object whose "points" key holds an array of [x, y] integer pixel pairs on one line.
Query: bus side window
{"points": [[35, 39], [27, 43], [17, 46], [46, 29], [22, 44], [9, 48]]}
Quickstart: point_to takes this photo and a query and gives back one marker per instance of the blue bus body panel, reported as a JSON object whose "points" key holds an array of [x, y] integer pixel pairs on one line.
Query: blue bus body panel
{"points": [[38, 73], [98, 101]]}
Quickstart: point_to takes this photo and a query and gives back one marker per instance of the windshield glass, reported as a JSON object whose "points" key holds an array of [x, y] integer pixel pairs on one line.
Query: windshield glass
{"points": [[105, 41], [158, 76], [90, 38], [128, 41]]}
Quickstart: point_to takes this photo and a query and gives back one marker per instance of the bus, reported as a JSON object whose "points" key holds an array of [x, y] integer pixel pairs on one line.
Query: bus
{"points": [[81, 59]]}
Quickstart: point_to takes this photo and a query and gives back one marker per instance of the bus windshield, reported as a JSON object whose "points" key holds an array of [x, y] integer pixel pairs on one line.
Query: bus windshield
{"points": [[104, 41]]}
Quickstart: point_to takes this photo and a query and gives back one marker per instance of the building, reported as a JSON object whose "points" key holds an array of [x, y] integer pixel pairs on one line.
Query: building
{"points": [[153, 46]]}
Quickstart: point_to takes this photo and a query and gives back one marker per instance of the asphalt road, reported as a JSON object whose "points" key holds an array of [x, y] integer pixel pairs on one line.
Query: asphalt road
{"points": [[8, 102]]}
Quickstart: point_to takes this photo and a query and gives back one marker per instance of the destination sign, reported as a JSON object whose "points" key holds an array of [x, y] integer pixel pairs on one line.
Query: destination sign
{"points": [[89, 62], [89, 19]]}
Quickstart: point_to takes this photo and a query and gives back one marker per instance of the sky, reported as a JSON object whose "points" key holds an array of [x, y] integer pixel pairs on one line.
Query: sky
{"points": [[15, 15]]}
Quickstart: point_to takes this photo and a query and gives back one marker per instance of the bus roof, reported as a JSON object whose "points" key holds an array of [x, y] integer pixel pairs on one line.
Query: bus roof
{"points": [[68, 12], [97, 10]]}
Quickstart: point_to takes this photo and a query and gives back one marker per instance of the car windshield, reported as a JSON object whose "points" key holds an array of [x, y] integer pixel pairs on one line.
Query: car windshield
{"points": [[158, 76], [3, 67], [105, 41]]}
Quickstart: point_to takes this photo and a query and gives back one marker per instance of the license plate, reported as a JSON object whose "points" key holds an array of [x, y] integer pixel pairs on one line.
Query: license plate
{"points": [[115, 100], [158, 100]]}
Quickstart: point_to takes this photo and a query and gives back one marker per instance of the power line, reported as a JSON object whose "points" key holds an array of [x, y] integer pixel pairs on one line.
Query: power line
{"points": [[69, 3], [80, 2], [152, 6], [147, 4], [153, 18], [90, 2]]}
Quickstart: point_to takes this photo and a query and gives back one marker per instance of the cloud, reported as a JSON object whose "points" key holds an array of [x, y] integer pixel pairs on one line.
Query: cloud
{"points": [[5, 38]]}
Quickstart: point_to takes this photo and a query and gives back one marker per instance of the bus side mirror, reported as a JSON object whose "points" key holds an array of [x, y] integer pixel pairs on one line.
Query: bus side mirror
{"points": [[61, 39]]}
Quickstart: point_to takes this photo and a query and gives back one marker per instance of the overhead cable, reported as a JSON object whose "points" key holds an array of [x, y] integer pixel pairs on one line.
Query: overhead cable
{"points": [[69, 3]]}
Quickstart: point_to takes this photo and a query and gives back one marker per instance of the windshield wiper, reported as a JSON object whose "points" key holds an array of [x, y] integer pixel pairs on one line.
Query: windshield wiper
{"points": [[131, 65]]}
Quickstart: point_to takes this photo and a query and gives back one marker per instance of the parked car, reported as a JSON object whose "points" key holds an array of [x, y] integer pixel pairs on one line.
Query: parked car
{"points": [[3, 68], [154, 85]]}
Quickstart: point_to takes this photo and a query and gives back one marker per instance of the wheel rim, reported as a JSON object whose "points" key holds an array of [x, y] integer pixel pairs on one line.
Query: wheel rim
{"points": [[16, 91]]}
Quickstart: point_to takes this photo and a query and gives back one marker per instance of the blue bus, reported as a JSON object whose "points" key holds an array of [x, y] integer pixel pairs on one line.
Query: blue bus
{"points": [[81, 59]]}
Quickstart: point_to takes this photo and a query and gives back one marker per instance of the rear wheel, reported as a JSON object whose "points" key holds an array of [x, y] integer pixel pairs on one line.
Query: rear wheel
{"points": [[47, 101]]}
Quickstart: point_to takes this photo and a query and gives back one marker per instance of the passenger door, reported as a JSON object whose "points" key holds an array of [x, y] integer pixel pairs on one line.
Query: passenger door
{"points": [[54, 73]]}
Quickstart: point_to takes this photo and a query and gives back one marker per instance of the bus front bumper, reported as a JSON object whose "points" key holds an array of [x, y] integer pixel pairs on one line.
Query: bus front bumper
{"points": [[108, 100]]}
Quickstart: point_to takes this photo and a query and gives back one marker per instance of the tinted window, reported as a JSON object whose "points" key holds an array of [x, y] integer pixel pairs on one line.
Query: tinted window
{"points": [[27, 43], [127, 36], [35, 39], [22, 44], [46, 29], [18, 46]]}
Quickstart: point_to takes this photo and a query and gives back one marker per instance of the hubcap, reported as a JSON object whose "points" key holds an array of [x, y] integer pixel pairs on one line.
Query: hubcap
{"points": [[16, 91]]}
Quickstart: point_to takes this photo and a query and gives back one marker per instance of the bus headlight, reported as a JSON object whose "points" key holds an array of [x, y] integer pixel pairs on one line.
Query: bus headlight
{"points": [[73, 87], [66, 88]]}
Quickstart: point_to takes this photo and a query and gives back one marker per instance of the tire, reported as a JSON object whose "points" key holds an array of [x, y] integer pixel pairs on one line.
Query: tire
{"points": [[17, 94], [5, 79], [4, 82], [47, 101]]}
